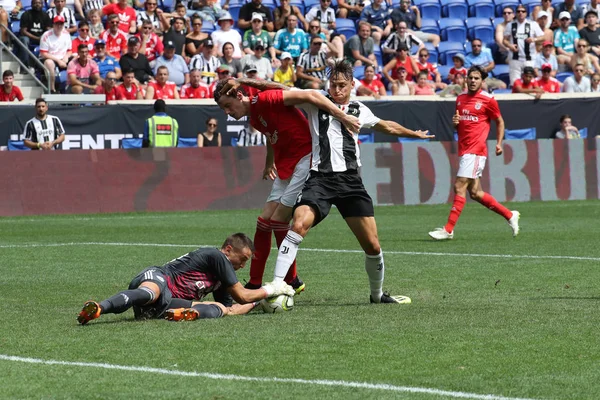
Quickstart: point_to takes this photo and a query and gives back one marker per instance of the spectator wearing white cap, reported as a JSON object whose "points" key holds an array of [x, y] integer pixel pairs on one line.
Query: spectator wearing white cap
{"points": [[575, 14], [55, 49], [546, 57], [257, 34], [286, 73], [542, 20], [257, 58], [546, 6], [591, 31], [255, 7], [565, 38], [225, 34]]}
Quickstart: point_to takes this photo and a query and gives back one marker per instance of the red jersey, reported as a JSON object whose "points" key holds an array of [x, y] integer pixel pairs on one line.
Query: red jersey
{"points": [[114, 94], [285, 127], [125, 15], [552, 85], [476, 113], [154, 46], [454, 71], [190, 92], [519, 83], [165, 92], [431, 70], [374, 85], [89, 42], [410, 74], [131, 93], [15, 93], [115, 45]]}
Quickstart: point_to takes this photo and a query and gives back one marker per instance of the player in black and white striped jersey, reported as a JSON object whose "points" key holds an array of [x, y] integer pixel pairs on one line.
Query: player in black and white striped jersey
{"points": [[43, 132], [205, 62], [335, 180], [66, 13]]}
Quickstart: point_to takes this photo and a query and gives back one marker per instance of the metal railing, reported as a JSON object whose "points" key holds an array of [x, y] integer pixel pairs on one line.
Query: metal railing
{"points": [[16, 42]]}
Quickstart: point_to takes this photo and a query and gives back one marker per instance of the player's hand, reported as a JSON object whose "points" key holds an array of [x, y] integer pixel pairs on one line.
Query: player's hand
{"points": [[424, 135], [351, 123], [456, 118], [498, 149], [270, 173], [276, 289], [46, 146], [230, 88]]}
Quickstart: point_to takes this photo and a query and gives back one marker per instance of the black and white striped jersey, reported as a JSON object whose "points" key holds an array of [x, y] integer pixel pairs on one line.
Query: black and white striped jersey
{"points": [[67, 14], [46, 130], [314, 65], [248, 137], [208, 68], [335, 149], [89, 5], [394, 40], [143, 16]]}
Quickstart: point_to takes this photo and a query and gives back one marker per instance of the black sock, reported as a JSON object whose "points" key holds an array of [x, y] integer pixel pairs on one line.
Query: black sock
{"points": [[126, 299]]}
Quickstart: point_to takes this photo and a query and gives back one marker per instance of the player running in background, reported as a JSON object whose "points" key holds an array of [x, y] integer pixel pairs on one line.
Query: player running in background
{"points": [[334, 178], [288, 162], [173, 290], [475, 109]]}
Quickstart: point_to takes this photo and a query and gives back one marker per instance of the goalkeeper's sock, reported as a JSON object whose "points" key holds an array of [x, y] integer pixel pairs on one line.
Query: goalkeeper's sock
{"points": [[262, 245], [286, 254], [126, 299], [375, 270], [280, 230]]}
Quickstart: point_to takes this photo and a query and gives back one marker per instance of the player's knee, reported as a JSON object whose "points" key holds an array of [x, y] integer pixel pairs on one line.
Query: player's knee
{"points": [[301, 226], [372, 249], [476, 195]]}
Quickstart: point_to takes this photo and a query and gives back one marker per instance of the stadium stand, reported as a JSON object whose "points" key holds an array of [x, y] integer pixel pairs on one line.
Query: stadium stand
{"points": [[453, 30], [520, 134]]}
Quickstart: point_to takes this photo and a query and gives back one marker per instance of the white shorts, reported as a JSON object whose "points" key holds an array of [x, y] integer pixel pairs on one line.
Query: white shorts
{"points": [[471, 166], [286, 191]]}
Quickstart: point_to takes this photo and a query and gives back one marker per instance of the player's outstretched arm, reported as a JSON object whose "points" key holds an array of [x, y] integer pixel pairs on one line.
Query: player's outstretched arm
{"points": [[499, 135], [395, 129], [297, 97], [233, 84]]}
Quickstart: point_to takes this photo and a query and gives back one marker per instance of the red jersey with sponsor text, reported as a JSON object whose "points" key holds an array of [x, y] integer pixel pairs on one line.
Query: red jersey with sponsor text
{"points": [[476, 113], [552, 85], [167, 91], [190, 92], [131, 93], [115, 44], [285, 127], [114, 94]]}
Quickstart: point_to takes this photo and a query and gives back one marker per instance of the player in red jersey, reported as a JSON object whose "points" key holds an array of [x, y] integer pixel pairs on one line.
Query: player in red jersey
{"points": [[196, 89], [129, 89], [8, 91], [115, 39], [289, 147], [475, 110], [162, 89]]}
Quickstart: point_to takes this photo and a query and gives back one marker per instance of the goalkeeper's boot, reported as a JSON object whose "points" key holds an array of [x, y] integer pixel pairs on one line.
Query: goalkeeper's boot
{"points": [[252, 286], [514, 222], [441, 234], [386, 298], [91, 310], [298, 285], [182, 314]]}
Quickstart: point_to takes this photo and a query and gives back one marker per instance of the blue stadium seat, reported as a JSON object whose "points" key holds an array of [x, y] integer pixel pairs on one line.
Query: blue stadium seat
{"points": [[500, 71], [520, 134], [480, 28], [132, 143], [444, 70], [299, 4], [561, 76], [359, 72], [235, 11], [453, 30], [497, 21], [410, 139], [187, 142], [166, 5], [17, 145], [15, 27], [430, 26], [270, 4], [502, 91], [208, 27], [583, 133], [448, 49], [366, 137], [507, 3], [530, 4], [234, 141], [345, 26], [430, 9], [378, 54], [26, 4], [455, 9], [308, 4], [482, 8]]}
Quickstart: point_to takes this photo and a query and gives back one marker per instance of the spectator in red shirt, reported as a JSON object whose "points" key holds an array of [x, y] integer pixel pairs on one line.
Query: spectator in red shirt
{"points": [[547, 82], [459, 66], [115, 39], [131, 88], [84, 38], [109, 88], [151, 45], [432, 72], [83, 73], [162, 88], [372, 82], [126, 15], [527, 83], [9, 91], [196, 89]]}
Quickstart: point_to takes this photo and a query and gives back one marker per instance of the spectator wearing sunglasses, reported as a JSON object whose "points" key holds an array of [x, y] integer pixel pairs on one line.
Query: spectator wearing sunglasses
{"points": [[509, 15], [210, 138], [578, 83], [291, 39], [591, 32], [151, 13], [83, 38], [150, 44], [109, 88], [565, 38], [575, 13], [325, 15], [595, 83]]}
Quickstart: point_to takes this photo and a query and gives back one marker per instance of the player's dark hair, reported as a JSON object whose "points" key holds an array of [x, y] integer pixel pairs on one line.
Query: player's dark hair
{"points": [[82, 47], [160, 106], [477, 68], [217, 93], [6, 73], [239, 241], [39, 100], [128, 71], [562, 118], [341, 67]]}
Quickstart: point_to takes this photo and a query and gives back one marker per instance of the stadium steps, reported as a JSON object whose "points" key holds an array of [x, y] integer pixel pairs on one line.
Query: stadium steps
{"points": [[29, 87]]}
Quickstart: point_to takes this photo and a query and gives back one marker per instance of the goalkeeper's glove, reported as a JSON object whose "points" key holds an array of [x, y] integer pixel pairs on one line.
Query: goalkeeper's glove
{"points": [[274, 289]]}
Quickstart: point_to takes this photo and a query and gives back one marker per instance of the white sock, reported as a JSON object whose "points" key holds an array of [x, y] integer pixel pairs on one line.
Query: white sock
{"points": [[375, 270], [286, 255]]}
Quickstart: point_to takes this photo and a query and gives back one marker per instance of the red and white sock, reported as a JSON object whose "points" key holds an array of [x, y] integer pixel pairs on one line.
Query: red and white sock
{"points": [[457, 207], [262, 244], [491, 203], [280, 229]]}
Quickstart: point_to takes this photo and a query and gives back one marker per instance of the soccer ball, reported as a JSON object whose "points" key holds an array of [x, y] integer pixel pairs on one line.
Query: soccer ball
{"points": [[277, 304]]}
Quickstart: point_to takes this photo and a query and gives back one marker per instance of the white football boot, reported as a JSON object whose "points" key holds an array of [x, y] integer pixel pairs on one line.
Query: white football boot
{"points": [[514, 222], [441, 234]]}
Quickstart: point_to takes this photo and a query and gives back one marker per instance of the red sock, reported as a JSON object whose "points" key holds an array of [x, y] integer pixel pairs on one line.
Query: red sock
{"points": [[262, 244], [280, 229], [457, 207], [490, 202]]}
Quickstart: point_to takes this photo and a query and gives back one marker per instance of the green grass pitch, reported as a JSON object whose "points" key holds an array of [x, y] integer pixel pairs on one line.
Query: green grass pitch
{"points": [[508, 327]]}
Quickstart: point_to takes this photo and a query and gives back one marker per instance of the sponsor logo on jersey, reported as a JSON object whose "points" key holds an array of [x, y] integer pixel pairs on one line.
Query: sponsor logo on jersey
{"points": [[478, 105], [262, 121], [255, 100]]}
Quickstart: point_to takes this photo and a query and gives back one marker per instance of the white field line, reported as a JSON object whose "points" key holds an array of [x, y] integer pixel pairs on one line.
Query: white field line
{"points": [[230, 377], [406, 253]]}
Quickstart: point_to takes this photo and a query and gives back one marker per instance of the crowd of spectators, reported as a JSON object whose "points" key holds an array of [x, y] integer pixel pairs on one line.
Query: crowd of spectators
{"points": [[181, 53]]}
